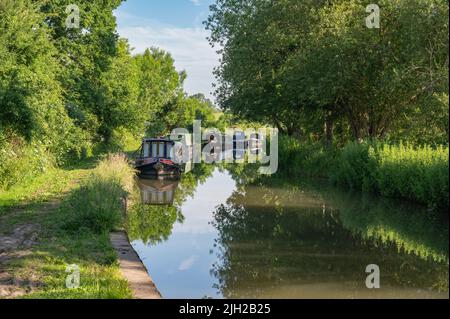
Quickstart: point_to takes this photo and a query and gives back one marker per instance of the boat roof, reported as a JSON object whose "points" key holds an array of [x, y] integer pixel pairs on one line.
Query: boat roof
{"points": [[158, 139]]}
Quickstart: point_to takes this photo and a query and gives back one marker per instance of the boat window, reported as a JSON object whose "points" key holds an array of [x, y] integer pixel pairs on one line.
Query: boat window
{"points": [[146, 149], [169, 151], [154, 149], [161, 150]]}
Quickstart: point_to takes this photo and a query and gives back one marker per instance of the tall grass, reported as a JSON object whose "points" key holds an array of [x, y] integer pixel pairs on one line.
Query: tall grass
{"points": [[416, 173], [420, 174], [97, 205]]}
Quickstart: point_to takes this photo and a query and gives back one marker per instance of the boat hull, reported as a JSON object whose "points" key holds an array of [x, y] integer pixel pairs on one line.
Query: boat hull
{"points": [[158, 169]]}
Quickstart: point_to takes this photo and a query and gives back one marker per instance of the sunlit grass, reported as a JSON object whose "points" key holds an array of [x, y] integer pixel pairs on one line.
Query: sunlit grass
{"points": [[78, 233]]}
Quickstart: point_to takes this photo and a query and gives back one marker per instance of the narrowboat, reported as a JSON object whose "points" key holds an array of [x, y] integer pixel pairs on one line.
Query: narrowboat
{"points": [[160, 157], [156, 158]]}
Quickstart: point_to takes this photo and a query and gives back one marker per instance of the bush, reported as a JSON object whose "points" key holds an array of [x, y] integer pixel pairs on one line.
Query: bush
{"points": [[419, 174], [97, 205], [20, 160], [306, 159], [355, 165]]}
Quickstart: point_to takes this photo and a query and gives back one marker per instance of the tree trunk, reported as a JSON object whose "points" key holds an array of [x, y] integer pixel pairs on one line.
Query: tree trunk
{"points": [[329, 127]]}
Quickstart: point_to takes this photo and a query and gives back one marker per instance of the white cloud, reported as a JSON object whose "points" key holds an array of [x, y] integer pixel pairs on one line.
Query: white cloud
{"points": [[195, 2], [187, 263], [188, 46]]}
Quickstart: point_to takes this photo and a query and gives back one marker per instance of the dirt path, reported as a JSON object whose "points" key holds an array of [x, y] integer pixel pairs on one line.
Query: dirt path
{"points": [[15, 245], [16, 242]]}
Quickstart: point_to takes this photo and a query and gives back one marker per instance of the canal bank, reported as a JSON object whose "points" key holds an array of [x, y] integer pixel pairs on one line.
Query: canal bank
{"points": [[223, 232], [132, 268], [60, 219]]}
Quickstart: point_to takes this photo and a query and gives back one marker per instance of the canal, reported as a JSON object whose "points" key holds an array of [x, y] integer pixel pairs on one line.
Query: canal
{"points": [[226, 232]]}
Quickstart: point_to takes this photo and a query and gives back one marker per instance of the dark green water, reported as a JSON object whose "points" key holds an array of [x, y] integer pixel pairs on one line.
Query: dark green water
{"points": [[232, 234]]}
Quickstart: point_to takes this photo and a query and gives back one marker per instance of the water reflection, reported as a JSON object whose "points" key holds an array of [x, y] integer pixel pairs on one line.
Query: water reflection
{"points": [[233, 234], [287, 241], [157, 191]]}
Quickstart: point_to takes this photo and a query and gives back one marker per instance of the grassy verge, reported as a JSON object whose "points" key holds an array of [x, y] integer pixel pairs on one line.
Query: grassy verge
{"points": [[419, 174], [76, 232], [54, 183]]}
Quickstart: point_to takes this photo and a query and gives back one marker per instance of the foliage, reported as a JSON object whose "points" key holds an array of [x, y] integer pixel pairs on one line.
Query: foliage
{"points": [[20, 160], [119, 95], [70, 93], [313, 68], [86, 54], [416, 173], [305, 159], [419, 173]]}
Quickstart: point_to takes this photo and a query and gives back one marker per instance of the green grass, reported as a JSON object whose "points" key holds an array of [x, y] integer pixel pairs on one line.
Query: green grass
{"points": [[100, 277], [76, 232], [96, 206], [49, 185], [419, 174]]}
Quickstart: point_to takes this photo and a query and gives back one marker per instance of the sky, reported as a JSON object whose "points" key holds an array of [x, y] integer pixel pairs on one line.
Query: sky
{"points": [[175, 26]]}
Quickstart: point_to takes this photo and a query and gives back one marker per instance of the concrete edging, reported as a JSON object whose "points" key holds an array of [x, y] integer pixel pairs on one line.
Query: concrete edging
{"points": [[133, 269]]}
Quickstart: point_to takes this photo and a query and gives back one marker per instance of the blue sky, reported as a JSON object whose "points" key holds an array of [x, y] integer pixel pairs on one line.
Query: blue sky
{"points": [[175, 26]]}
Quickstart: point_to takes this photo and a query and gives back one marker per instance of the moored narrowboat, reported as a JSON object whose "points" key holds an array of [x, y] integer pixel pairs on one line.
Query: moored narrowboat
{"points": [[156, 158]]}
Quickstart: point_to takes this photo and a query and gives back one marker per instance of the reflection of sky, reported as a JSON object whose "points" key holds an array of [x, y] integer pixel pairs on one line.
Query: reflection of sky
{"points": [[181, 266]]}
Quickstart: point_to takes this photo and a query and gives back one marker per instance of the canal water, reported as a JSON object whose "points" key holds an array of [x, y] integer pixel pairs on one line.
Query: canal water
{"points": [[228, 233]]}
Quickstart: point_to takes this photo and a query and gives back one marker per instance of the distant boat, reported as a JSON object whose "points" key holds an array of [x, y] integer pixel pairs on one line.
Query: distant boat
{"points": [[157, 158]]}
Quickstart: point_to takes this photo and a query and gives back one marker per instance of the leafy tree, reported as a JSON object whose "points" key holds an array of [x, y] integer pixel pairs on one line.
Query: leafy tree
{"points": [[30, 93], [313, 67], [159, 81], [86, 54], [119, 104]]}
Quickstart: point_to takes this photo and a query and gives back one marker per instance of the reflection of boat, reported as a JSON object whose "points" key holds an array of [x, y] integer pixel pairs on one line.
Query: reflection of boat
{"points": [[254, 144], [157, 191]]}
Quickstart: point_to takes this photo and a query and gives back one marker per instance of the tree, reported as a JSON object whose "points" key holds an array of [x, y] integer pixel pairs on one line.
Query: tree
{"points": [[119, 91], [160, 85], [31, 103], [310, 66], [86, 54]]}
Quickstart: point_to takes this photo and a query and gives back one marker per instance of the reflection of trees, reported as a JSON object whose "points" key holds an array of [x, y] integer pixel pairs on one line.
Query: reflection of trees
{"points": [[153, 223], [413, 229], [276, 234]]}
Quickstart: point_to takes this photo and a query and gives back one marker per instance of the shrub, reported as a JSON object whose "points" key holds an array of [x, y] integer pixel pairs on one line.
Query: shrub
{"points": [[419, 174], [355, 166], [20, 160], [306, 159]]}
